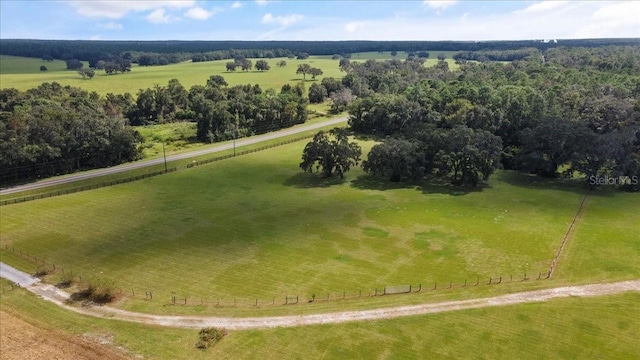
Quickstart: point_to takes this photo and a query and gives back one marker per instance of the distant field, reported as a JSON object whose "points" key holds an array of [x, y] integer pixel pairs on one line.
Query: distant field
{"points": [[215, 231], [24, 73]]}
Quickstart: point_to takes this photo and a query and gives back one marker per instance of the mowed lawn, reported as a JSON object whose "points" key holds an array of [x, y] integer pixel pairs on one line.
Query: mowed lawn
{"points": [[23, 73], [570, 328], [257, 227]]}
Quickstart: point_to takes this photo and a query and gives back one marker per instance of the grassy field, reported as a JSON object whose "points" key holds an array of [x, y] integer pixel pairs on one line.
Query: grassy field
{"points": [[24, 73], [575, 328], [215, 231]]}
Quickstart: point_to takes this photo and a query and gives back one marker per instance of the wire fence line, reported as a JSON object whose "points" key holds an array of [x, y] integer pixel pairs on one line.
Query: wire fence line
{"points": [[145, 176], [178, 298]]}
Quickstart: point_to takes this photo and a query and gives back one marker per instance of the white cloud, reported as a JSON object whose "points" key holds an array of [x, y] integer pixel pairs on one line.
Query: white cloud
{"points": [[543, 6], [199, 13], [236, 5], [262, 2], [111, 26], [568, 20], [439, 4], [159, 17], [284, 20], [116, 9], [351, 27]]}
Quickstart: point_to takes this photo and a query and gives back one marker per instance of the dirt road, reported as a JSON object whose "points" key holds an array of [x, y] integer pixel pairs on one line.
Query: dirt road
{"points": [[144, 163], [57, 296]]}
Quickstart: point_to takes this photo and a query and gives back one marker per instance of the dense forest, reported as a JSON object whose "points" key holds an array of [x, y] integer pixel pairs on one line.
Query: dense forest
{"points": [[54, 130], [577, 113]]}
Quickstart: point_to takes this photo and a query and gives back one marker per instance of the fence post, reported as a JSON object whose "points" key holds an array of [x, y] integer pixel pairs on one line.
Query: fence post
{"points": [[490, 280], [450, 284], [500, 281], [409, 287], [419, 287], [465, 283], [511, 279], [435, 285]]}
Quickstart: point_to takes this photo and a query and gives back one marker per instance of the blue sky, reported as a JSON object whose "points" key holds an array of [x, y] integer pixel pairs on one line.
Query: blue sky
{"points": [[317, 20]]}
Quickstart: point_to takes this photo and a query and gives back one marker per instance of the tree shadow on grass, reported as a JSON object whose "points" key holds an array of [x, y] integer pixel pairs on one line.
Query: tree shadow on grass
{"points": [[305, 180], [427, 186], [532, 181]]}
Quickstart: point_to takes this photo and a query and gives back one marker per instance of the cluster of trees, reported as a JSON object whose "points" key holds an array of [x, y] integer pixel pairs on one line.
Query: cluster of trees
{"points": [[550, 119], [305, 69], [221, 112], [246, 65], [224, 113], [54, 130]]}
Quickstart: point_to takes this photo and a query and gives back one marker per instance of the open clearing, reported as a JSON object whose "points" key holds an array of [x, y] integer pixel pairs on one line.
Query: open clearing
{"points": [[256, 227], [23, 73]]}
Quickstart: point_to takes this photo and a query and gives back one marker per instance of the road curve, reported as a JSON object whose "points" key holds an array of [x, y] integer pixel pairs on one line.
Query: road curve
{"points": [[59, 297], [144, 163]]}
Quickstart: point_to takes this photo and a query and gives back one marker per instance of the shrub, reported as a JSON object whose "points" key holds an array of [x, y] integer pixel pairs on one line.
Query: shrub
{"points": [[99, 294], [41, 272], [65, 281], [209, 337]]}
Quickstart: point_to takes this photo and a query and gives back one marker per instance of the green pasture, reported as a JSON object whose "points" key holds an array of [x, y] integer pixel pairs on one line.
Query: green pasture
{"points": [[606, 242], [587, 328], [257, 227], [142, 77], [15, 65], [23, 73]]}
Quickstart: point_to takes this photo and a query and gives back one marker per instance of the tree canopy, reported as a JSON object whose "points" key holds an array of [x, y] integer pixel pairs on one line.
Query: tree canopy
{"points": [[330, 153]]}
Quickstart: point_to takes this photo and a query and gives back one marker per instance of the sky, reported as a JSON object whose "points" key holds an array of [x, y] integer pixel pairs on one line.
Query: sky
{"points": [[317, 20]]}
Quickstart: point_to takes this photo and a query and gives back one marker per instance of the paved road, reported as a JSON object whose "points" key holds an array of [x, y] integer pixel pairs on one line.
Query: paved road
{"points": [[186, 155], [59, 297]]}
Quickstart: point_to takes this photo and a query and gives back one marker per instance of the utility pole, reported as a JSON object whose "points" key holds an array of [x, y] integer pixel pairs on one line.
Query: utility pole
{"points": [[235, 133], [165, 158]]}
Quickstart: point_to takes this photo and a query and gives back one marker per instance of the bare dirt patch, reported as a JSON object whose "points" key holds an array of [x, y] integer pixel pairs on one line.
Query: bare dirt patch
{"points": [[20, 339]]}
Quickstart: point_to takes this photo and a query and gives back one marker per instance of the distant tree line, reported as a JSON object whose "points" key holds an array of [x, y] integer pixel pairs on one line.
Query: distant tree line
{"points": [[498, 55], [177, 51], [561, 118]]}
